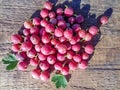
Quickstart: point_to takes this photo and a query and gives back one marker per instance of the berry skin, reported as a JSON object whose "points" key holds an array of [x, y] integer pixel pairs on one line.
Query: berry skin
{"points": [[49, 28], [46, 49], [82, 33], [36, 21], [51, 59], [68, 33], [45, 38], [62, 48], [73, 40], [44, 65], [77, 58], [45, 75], [38, 47], [59, 11], [65, 70], [89, 49], [42, 57], [21, 56], [88, 37], [58, 66], [54, 41], [52, 14], [53, 21], [36, 73], [62, 39], [85, 56], [44, 13], [76, 47], [31, 53], [58, 32], [104, 20], [34, 30], [60, 57], [73, 65], [93, 30], [34, 39], [16, 38], [26, 46], [28, 24], [48, 5], [43, 23], [76, 27], [15, 47], [22, 66], [60, 17], [71, 20], [79, 18], [70, 54], [34, 62], [68, 11], [83, 65], [26, 32], [62, 24]]}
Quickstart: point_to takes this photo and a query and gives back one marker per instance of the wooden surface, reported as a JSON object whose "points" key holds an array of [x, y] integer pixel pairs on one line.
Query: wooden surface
{"points": [[104, 67]]}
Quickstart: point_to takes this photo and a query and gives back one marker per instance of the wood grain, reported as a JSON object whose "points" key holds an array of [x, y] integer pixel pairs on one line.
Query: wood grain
{"points": [[104, 68]]}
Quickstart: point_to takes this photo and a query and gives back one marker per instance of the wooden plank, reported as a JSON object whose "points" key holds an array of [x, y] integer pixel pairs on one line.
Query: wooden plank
{"points": [[104, 70]]}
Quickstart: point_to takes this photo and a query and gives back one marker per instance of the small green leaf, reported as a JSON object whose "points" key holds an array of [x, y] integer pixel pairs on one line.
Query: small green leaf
{"points": [[10, 60], [59, 80]]}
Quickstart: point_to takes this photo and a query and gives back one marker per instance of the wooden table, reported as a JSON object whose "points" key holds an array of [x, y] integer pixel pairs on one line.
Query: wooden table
{"points": [[104, 67]]}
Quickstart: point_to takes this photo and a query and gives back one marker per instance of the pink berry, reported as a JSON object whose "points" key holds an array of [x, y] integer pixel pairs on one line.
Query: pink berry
{"points": [[58, 66], [16, 38], [70, 54], [26, 46], [104, 20], [35, 73], [45, 75], [62, 39], [22, 66], [68, 33], [54, 41], [26, 32], [58, 32], [31, 53], [62, 48], [59, 11], [83, 65], [62, 24], [44, 13], [42, 57], [53, 21], [35, 39], [73, 40], [51, 59], [44, 23], [76, 27], [76, 47], [49, 28], [46, 49], [42, 31], [52, 14], [60, 57], [36, 21], [68, 11], [88, 37], [48, 5], [73, 65], [65, 70], [34, 30], [28, 24], [85, 56], [93, 30], [82, 33], [77, 58], [34, 61], [79, 18], [38, 47], [15, 47], [45, 38], [89, 49], [44, 65], [71, 20]]}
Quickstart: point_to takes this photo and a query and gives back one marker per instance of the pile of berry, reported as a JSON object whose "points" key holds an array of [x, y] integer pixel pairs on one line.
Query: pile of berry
{"points": [[54, 41]]}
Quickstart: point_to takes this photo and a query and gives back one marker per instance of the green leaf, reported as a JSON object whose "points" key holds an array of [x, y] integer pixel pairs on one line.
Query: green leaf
{"points": [[59, 80], [10, 60]]}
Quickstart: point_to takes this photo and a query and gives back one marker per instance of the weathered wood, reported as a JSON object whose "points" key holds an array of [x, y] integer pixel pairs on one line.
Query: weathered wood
{"points": [[104, 70]]}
